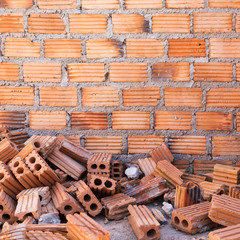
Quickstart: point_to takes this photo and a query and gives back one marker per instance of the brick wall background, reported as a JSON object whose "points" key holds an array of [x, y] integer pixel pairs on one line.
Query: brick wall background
{"points": [[125, 75]]}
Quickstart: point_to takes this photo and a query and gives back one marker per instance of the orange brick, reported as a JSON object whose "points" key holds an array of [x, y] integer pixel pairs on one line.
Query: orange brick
{"points": [[16, 95], [89, 120], [145, 4], [86, 72], [238, 23], [224, 48], [21, 47], [143, 144], [195, 145], [104, 96], [58, 48], [42, 72], [58, 96], [171, 71], [192, 47], [185, 3], [12, 120], [47, 120], [238, 121], [223, 97], [228, 146], [100, 4], [9, 71], [238, 71], [88, 23], [141, 96], [212, 22], [131, 120], [129, 23], [213, 72], [105, 144], [16, 4], [214, 121], [149, 48], [185, 97], [224, 3], [60, 4], [171, 23], [11, 23], [46, 23], [101, 48], [171, 120], [128, 72]]}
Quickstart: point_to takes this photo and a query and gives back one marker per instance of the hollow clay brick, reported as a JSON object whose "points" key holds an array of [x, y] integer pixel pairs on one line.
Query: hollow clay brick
{"points": [[187, 194], [146, 179], [231, 232], [45, 235], [50, 208], [8, 182], [102, 186], [158, 215], [193, 219], [99, 164], [7, 150], [63, 201], [11, 23], [124, 184], [210, 188], [161, 153], [81, 226], [234, 191], [147, 165], [61, 175], [185, 4], [52, 4], [143, 223], [224, 210], [166, 170], [86, 197], [12, 120], [148, 191], [28, 204], [182, 165], [117, 169], [148, 4], [100, 4], [16, 4], [116, 206], [193, 178], [224, 4], [67, 164]]}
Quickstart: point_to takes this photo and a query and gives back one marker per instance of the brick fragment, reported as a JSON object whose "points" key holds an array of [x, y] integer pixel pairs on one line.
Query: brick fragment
{"points": [[225, 233], [131, 120], [125, 184], [129, 23], [42, 72], [11, 23], [187, 48], [9, 71], [210, 188], [50, 208], [21, 47], [107, 144], [88, 23], [61, 175], [143, 144], [7, 150], [61, 4], [81, 225], [182, 165], [171, 23], [185, 4], [18, 137], [45, 235], [234, 191], [145, 4], [141, 96], [193, 219], [149, 48], [104, 96], [117, 169], [147, 165], [213, 72], [224, 4], [193, 178], [143, 223], [46, 24], [47, 120], [116, 206], [179, 71], [86, 72], [16, 4], [224, 210], [58, 96], [104, 48], [158, 215], [161, 153]]}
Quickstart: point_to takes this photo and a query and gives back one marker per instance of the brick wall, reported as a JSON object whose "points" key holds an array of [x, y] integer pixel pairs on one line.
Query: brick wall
{"points": [[125, 75]]}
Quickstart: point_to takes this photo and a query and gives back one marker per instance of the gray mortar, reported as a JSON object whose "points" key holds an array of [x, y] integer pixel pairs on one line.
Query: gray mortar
{"points": [[150, 61]]}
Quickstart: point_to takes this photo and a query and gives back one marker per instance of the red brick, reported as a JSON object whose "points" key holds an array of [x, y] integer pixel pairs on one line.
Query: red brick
{"points": [[185, 3], [9, 71], [224, 3], [179, 71], [238, 71], [171, 23], [88, 23], [16, 4], [212, 22], [11, 23], [101, 48], [214, 121], [192, 47], [16, 95], [12, 119], [185, 97], [58, 96], [47, 120], [224, 47], [100, 4], [139, 48], [170, 120], [60, 4], [129, 23], [238, 121], [238, 23], [145, 4]]}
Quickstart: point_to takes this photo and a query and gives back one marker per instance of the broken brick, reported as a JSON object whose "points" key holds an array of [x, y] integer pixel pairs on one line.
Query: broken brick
{"points": [[7, 150], [225, 233], [147, 165], [210, 188], [161, 153], [234, 191], [158, 215]]}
